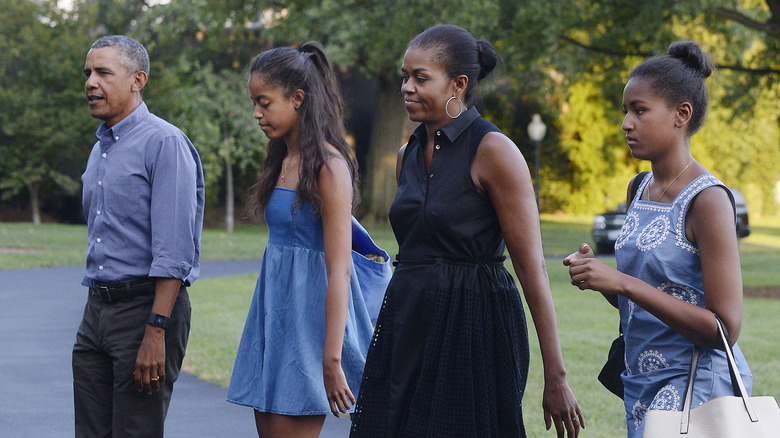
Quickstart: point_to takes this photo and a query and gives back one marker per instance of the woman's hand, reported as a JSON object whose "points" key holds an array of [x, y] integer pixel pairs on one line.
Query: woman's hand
{"points": [[340, 397], [585, 252], [561, 408], [588, 272]]}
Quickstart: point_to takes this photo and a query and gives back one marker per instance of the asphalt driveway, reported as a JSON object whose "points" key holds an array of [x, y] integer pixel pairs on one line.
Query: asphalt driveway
{"points": [[40, 310]]}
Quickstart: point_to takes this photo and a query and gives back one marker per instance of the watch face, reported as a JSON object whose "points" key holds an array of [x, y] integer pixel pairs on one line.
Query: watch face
{"points": [[159, 320]]}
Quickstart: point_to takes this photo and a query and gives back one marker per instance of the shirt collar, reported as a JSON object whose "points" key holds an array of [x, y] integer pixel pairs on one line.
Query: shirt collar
{"points": [[456, 127], [453, 129], [108, 136]]}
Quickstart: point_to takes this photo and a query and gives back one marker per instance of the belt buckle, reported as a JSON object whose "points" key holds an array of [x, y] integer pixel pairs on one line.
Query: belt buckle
{"points": [[104, 293]]}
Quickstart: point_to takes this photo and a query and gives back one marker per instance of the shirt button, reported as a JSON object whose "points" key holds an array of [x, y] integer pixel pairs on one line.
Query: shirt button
{"points": [[98, 212], [438, 147], [100, 183], [431, 176], [104, 155], [98, 240], [438, 132], [116, 138], [100, 267]]}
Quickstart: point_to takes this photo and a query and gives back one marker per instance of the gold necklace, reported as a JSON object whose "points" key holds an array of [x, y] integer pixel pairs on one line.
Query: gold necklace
{"points": [[675, 179], [284, 167]]}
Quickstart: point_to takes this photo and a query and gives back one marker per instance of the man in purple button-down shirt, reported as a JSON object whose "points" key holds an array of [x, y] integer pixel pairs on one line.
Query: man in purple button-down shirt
{"points": [[143, 200]]}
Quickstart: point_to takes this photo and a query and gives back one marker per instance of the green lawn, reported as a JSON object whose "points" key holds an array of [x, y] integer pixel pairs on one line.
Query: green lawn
{"points": [[23, 245], [587, 324]]}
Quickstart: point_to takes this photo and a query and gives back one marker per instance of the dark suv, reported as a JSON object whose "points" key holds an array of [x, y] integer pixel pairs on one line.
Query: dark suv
{"points": [[606, 226]]}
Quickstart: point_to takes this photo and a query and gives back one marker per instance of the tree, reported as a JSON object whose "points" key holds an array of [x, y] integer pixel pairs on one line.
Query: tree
{"points": [[41, 136], [567, 60], [216, 116], [199, 62], [370, 37], [585, 51]]}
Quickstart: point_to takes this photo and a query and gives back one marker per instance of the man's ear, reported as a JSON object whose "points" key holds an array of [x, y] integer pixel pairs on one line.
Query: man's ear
{"points": [[139, 81], [297, 98]]}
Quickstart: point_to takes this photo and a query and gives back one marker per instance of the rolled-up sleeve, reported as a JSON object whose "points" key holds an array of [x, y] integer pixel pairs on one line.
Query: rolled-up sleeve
{"points": [[176, 210]]}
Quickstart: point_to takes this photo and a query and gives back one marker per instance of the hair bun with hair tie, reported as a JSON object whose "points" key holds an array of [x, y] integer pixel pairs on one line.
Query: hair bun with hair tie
{"points": [[692, 55], [488, 59]]}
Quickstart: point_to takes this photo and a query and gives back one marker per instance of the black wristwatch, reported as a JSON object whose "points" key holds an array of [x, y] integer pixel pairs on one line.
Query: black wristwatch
{"points": [[158, 320]]}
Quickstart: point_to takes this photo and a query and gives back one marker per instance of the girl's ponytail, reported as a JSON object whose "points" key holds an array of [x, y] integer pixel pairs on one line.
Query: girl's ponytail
{"points": [[314, 52]]}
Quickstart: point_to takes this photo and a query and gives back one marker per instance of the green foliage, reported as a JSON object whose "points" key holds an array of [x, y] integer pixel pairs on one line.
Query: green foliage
{"points": [[199, 83], [577, 56], [44, 127], [592, 146], [215, 111], [372, 35], [566, 60]]}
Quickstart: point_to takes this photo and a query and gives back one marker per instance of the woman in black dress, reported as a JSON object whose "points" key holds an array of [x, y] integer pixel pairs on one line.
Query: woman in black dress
{"points": [[449, 356]]}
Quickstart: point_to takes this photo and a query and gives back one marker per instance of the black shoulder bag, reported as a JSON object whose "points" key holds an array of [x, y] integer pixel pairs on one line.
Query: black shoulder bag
{"points": [[616, 359]]}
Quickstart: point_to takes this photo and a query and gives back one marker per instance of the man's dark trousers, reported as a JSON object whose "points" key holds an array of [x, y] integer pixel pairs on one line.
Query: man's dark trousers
{"points": [[106, 401]]}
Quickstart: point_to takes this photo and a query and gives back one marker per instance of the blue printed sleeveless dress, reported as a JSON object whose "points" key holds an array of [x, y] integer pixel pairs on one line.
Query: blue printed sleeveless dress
{"points": [[652, 247], [278, 367]]}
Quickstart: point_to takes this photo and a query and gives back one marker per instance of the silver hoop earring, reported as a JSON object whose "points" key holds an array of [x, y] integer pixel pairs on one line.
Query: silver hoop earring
{"points": [[461, 107]]}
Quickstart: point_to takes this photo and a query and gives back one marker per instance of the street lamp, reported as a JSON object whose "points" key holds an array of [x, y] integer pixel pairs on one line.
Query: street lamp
{"points": [[536, 131]]}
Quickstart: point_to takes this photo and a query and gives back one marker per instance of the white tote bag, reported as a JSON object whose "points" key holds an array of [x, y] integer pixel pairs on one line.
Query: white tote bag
{"points": [[738, 416]]}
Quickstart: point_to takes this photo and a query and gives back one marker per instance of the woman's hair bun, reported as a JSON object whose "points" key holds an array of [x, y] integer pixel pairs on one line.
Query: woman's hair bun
{"points": [[692, 56], [488, 59]]}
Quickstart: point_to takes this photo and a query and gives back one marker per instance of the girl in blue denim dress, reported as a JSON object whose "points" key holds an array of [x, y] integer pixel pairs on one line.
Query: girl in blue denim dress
{"points": [[677, 254], [308, 328]]}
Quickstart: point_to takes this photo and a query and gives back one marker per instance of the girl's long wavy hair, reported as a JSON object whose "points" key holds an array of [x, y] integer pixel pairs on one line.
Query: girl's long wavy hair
{"points": [[320, 118]]}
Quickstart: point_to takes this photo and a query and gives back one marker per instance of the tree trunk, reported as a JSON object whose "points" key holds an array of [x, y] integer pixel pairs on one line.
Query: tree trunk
{"points": [[34, 202], [386, 138], [229, 196]]}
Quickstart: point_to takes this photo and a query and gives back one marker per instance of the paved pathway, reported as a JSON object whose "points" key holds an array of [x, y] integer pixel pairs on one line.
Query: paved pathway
{"points": [[40, 310]]}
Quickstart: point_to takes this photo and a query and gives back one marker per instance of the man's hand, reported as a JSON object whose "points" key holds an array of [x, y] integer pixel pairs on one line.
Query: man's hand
{"points": [[149, 374], [149, 371]]}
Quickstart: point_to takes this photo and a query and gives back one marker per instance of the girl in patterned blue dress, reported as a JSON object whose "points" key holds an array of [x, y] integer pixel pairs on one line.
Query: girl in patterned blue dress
{"points": [[677, 254], [306, 337]]}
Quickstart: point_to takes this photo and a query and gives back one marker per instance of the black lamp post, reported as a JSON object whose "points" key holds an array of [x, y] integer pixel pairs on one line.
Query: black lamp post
{"points": [[536, 131]]}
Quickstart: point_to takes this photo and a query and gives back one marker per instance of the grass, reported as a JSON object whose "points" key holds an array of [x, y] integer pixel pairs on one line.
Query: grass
{"points": [[219, 309], [586, 323], [587, 326], [28, 246], [24, 245], [760, 251]]}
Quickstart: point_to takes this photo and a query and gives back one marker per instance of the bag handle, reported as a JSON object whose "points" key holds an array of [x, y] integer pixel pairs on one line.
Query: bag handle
{"points": [[736, 379], [635, 186]]}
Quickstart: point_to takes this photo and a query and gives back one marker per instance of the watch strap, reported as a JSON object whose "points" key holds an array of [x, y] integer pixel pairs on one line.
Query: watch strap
{"points": [[158, 320]]}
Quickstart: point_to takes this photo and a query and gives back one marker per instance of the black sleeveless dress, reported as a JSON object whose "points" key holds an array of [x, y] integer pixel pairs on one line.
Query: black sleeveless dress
{"points": [[449, 356]]}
